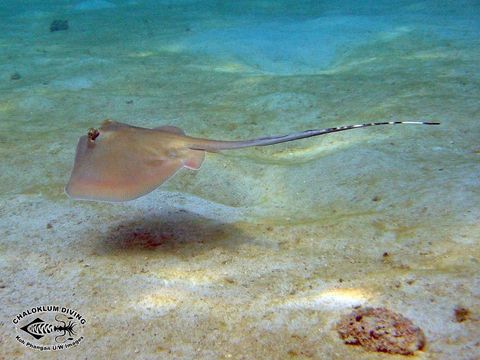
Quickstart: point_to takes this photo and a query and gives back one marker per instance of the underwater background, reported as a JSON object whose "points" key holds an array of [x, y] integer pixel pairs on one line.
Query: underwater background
{"points": [[261, 252]]}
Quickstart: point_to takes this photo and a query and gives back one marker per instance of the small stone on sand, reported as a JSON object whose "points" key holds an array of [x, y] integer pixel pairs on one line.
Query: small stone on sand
{"points": [[15, 76], [461, 314], [59, 25]]}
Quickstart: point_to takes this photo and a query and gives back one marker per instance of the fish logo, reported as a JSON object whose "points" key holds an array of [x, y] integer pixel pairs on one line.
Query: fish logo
{"points": [[49, 328], [39, 328]]}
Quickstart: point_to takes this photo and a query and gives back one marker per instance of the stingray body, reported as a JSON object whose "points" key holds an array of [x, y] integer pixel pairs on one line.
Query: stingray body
{"points": [[120, 162]]}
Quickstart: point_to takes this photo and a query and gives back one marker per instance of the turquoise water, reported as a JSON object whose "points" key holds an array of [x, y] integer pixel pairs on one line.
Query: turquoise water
{"points": [[254, 244]]}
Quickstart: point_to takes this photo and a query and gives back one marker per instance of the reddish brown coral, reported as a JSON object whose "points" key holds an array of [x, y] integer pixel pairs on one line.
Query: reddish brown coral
{"points": [[379, 329]]}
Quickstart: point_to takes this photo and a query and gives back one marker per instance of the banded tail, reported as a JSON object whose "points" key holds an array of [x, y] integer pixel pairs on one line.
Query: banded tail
{"points": [[216, 145]]}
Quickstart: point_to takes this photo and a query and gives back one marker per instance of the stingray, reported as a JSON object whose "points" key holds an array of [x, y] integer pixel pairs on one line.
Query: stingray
{"points": [[121, 162]]}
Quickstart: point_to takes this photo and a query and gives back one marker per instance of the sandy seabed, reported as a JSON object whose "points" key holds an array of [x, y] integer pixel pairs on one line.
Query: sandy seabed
{"points": [[260, 253]]}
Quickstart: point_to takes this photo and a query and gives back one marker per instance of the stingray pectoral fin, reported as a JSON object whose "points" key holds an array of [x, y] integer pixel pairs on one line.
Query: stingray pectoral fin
{"points": [[100, 173], [194, 159]]}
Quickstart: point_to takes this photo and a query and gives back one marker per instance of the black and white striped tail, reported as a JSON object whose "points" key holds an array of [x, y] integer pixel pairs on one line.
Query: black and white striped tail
{"points": [[309, 133], [215, 145], [348, 127]]}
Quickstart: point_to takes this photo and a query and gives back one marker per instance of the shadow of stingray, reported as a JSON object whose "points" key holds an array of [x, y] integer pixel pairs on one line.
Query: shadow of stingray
{"points": [[173, 231]]}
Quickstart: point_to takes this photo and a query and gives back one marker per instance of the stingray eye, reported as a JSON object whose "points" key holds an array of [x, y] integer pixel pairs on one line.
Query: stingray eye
{"points": [[92, 134]]}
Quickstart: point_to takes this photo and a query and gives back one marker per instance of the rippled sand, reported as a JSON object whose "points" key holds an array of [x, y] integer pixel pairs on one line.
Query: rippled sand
{"points": [[258, 254]]}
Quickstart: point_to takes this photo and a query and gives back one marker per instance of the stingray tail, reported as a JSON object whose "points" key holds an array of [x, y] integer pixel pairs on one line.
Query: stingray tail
{"points": [[214, 145]]}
